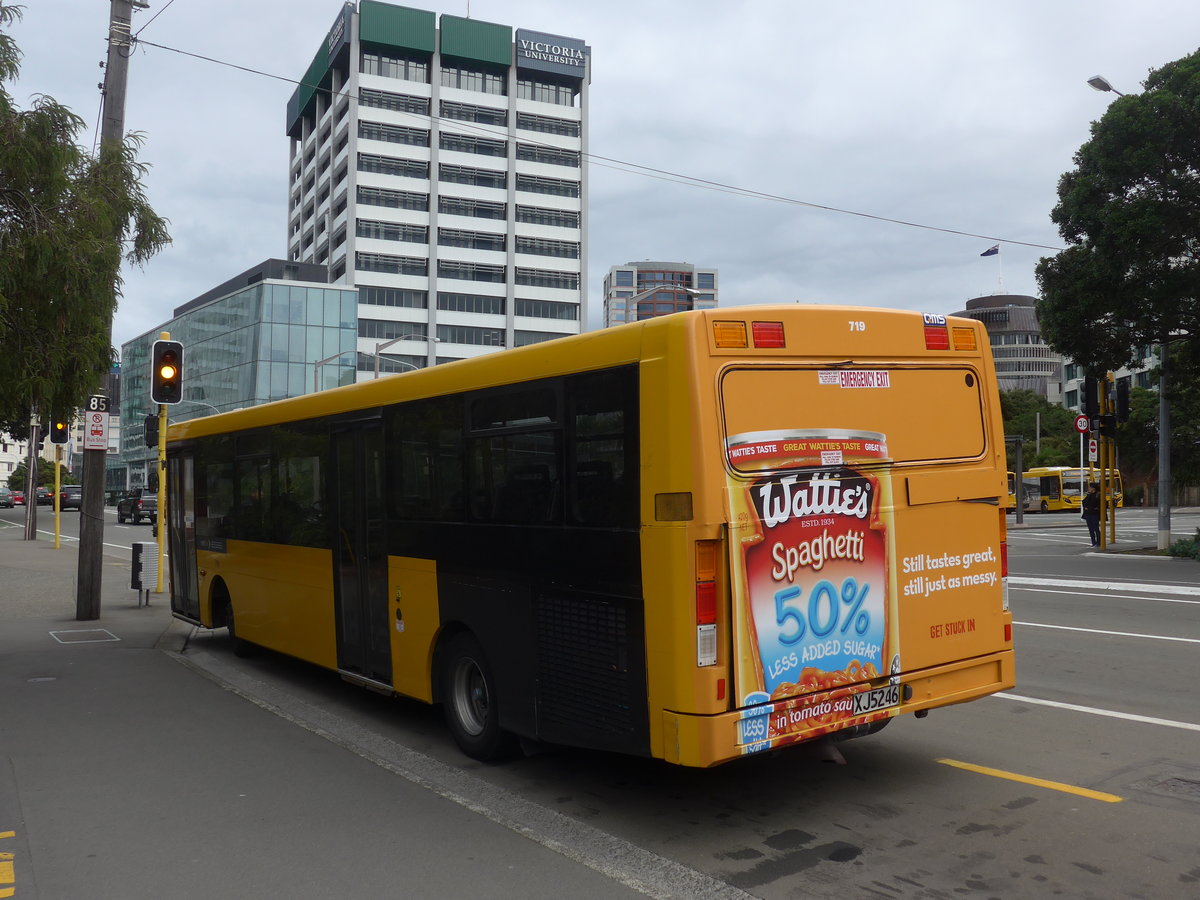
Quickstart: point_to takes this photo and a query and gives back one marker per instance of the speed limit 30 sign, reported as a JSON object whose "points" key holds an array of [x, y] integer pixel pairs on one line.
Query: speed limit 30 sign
{"points": [[1082, 425]]}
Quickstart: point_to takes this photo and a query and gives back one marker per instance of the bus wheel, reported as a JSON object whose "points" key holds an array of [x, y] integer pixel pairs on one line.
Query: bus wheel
{"points": [[1045, 506], [241, 648], [469, 701]]}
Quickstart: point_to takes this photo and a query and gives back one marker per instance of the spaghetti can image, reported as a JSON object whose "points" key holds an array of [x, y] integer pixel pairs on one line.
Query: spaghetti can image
{"points": [[814, 582]]}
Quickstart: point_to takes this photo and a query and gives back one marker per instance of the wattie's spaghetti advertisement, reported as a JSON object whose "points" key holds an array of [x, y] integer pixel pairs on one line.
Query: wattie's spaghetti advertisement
{"points": [[814, 576]]}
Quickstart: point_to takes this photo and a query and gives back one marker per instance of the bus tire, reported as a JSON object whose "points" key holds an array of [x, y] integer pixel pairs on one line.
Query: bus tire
{"points": [[469, 701], [222, 602], [1045, 506]]}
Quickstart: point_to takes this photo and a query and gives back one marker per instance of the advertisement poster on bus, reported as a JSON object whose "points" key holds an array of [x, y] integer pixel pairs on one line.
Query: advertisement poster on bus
{"points": [[814, 581]]}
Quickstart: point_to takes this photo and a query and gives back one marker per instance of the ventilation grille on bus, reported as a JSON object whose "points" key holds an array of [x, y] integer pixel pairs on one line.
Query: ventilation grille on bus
{"points": [[585, 685]]}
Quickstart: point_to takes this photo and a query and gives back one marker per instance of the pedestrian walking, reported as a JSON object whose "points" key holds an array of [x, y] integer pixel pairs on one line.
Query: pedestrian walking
{"points": [[1091, 513]]}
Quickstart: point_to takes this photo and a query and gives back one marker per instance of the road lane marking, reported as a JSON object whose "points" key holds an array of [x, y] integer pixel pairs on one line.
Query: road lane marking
{"points": [[1108, 596], [1150, 637], [1037, 782], [1095, 711], [1027, 581], [8, 874]]}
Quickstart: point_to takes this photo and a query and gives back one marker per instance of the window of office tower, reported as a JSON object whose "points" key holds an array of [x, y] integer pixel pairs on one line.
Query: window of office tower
{"points": [[392, 65], [474, 79], [547, 91]]}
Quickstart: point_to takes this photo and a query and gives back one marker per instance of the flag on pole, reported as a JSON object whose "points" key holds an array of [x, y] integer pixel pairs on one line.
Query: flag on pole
{"points": [[991, 251]]}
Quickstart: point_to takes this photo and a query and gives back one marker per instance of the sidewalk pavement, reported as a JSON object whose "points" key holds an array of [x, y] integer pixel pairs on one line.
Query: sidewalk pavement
{"points": [[125, 774]]}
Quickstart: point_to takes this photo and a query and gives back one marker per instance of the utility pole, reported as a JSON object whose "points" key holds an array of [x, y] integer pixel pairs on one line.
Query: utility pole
{"points": [[1164, 454], [32, 471], [91, 513]]}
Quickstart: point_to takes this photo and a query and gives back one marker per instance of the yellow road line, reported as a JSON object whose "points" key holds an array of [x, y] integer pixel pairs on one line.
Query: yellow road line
{"points": [[8, 873], [1037, 782]]}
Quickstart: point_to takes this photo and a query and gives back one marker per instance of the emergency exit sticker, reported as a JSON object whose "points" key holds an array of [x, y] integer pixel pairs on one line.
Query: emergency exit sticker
{"points": [[855, 378]]}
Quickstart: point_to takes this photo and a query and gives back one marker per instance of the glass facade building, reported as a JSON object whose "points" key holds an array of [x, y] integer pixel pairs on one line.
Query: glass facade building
{"points": [[249, 341]]}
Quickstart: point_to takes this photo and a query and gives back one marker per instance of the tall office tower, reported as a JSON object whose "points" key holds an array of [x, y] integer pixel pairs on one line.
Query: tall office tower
{"points": [[629, 294], [437, 166]]}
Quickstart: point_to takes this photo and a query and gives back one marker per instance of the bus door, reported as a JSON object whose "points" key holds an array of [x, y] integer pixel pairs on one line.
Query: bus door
{"points": [[360, 554], [181, 537]]}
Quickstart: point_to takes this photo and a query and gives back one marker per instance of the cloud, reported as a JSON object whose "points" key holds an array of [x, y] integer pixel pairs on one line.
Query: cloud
{"points": [[954, 115]]}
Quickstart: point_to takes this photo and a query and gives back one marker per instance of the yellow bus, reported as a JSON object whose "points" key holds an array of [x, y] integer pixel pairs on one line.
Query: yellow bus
{"points": [[1057, 488], [692, 538]]}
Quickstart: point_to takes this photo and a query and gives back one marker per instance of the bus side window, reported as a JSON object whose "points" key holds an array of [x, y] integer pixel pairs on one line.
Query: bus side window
{"points": [[592, 503], [526, 495]]}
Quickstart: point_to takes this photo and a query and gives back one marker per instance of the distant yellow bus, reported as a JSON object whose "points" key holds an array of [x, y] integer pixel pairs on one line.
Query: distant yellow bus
{"points": [[1062, 487], [692, 538]]}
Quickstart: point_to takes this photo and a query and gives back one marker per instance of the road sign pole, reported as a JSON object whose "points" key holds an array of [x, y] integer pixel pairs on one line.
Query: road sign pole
{"points": [[57, 488], [160, 517]]}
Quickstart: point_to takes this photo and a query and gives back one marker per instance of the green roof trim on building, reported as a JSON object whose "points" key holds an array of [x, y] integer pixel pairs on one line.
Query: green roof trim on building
{"points": [[470, 39], [397, 26]]}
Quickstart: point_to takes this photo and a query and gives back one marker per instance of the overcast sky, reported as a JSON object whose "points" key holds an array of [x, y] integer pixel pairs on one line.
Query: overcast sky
{"points": [[953, 114]]}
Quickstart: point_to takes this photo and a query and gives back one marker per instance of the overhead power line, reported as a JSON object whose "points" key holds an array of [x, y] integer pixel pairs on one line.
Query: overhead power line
{"points": [[652, 172]]}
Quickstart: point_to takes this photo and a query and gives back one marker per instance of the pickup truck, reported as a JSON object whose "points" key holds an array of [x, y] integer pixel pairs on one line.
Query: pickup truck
{"points": [[137, 505]]}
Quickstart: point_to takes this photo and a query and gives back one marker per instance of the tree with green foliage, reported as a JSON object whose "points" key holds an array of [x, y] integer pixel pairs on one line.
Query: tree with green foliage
{"points": [[1129, 211], [45, 475], [1137, 439], [67, 221], [1020, 410]]}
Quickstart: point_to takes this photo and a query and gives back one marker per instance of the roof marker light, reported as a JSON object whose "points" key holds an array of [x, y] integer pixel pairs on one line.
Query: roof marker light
{"points": [[936, 337], [768, 334], [729, 334]]}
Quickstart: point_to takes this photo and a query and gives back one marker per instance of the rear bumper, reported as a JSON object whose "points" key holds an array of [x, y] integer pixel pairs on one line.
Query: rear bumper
{"points": [[692, 740]]}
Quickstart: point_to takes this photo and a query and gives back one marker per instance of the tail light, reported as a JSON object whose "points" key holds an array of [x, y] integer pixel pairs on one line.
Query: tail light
{"points": [[1004, 566], [707, 559]]}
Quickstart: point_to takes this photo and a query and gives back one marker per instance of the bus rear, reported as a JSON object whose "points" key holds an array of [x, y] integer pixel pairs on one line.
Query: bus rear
{"points": [[853, 500]]}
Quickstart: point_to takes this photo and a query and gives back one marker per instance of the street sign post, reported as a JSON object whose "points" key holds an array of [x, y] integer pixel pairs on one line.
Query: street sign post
{"points": [[95, 430]]}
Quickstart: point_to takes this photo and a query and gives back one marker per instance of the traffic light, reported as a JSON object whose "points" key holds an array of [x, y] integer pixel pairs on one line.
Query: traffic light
{"points": [[151, 430], [166, 372], [1090, 404], [59, 430], [1108, 426], [1123, 400], [152, 480]]}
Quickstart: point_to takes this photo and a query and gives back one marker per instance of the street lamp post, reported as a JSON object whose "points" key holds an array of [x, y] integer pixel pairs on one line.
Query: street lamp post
{"points": [[320, 362], [1100, 83], [380, 347]]}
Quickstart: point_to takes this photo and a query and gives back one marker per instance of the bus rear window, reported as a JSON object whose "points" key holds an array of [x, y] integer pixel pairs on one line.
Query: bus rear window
{"points": [[925, 414]]}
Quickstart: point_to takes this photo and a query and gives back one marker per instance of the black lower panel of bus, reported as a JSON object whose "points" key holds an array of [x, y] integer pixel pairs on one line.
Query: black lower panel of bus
{"points": [[562, 623], [569, 665]]}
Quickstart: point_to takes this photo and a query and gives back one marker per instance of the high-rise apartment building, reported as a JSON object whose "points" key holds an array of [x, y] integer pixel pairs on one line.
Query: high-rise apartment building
{"points": [[680, 286], [437, 166]]}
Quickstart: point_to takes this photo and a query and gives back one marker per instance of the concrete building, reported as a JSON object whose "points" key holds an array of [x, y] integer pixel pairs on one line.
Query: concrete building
{"points": [[1141, 375], [623, 283], [437, 167], [276, 330], [1022, 360]]}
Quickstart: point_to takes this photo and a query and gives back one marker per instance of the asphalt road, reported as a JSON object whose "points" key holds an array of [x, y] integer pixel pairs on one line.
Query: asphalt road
{"points": [[1084, 781], [118, 539]]}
